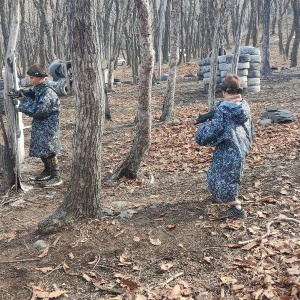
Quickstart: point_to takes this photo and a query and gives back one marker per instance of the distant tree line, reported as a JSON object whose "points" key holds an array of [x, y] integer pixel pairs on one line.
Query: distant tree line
{"points": [[44, 30]]}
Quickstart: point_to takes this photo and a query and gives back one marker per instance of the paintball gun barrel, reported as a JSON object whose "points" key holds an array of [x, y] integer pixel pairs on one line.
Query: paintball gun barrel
{"points": [[205, 117]]}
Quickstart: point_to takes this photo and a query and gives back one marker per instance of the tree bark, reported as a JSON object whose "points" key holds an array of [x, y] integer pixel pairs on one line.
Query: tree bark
{"points": [[242, 11], [266, 69], [9, 154], [129, 168], [168, 106], [162, 10], [82, 199], [295, 48], [214, 57]]}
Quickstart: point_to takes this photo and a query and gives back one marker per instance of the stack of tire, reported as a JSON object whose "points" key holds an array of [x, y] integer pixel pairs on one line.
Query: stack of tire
{"points": [[225, 67], [253, 80], [204, 73], [59, 72]]}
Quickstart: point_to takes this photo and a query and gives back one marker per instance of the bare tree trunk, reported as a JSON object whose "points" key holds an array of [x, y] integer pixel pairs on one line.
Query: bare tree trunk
{"points": [[42, 6], [141, 143], [122, 14], [9, 154], [168, 106], [282, 11], [294, 52], [4, 27], [214, 57], [242, 11], [162, 18], [275, 15], [266, 69], [289, 40], [82, 199]]}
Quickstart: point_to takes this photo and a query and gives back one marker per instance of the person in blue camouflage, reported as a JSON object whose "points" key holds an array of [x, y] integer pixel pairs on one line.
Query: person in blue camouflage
{"points": [[231, 132], [43, 105]]}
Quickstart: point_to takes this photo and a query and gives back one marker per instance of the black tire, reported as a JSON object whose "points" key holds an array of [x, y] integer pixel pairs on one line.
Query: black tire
{"points": [[242, 72], [225, 59], [225, 67], [205, 69], [245, 65], [253, 81], [204, 62], [254, 66], [255, 58], [249, 50], [243, 58], [253, 89], [253, 73]]}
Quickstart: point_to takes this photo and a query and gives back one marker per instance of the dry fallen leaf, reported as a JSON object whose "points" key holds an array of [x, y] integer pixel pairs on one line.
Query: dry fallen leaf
{"points": [[171, 226], [208, 258], [155, 242], [295, 270], [86, 277], [65, 267], [175, 293], [228, 280], [45, 269], [94, 261], [136, 239], [167, 266], [44, 253]]}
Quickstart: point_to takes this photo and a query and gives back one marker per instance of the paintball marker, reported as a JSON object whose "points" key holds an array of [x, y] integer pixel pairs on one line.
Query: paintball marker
{"points": [[20, 93], [205, 117]]}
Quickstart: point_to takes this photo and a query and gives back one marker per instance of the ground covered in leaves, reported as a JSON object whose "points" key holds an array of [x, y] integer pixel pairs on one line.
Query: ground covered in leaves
{"points": [[158, 237]]}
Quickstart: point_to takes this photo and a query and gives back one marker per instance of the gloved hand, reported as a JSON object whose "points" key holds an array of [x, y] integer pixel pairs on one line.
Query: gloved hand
{"points": [[15, 94], [28, 93], [205, 117]]}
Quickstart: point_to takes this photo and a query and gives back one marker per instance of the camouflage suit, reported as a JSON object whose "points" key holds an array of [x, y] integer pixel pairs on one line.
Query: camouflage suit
{"points": [[44, 109], [231, 132]]}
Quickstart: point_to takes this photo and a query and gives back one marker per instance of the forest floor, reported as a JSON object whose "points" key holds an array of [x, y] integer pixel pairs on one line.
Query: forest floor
{"points": [[159, 237]]}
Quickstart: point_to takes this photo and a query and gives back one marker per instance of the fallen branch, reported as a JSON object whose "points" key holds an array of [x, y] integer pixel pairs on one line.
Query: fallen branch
{"points": [[18, 260], [268, 229], [172, 278]]}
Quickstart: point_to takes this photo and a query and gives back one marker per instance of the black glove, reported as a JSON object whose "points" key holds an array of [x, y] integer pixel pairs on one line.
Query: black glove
{"points": [[205, 117], [28, 93], [15, 94]]}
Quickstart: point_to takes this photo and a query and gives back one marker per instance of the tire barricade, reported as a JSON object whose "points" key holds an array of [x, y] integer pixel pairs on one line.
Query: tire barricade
{"points": [[248, 69]]}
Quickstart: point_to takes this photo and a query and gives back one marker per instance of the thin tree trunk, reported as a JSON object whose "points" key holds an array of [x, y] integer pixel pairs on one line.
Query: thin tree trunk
{"points": [[214, 56], [266, 69], [296, 13], [9, 157], [242, 11], [168, 106], [162, 11], [129, 168]]}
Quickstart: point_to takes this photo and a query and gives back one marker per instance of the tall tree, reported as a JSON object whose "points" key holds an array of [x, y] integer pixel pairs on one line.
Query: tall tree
{"points": [[168, 106], [161, 27], [294, 52], [266, 69], [8, 158], [218, 32], [141, 143], [242, 7], [82, 199]]}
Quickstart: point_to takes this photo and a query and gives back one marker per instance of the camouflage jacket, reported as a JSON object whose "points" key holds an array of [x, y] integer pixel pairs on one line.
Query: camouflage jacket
{"points": [[231, 132], [45, 110]]}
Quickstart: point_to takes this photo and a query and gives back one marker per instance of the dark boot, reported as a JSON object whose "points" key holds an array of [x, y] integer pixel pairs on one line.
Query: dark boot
{"points": [[54, 172], [45, 173]]}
